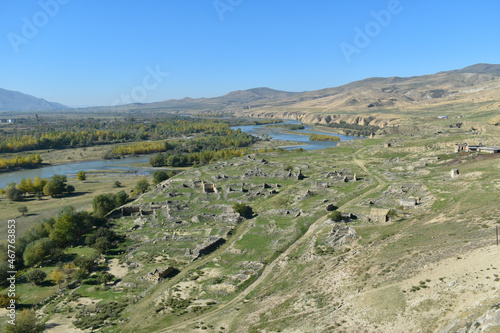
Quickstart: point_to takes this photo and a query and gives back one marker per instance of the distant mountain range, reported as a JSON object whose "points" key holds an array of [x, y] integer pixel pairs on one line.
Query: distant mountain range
{"points": [[16, 101], [359, 96], [479, 83]]}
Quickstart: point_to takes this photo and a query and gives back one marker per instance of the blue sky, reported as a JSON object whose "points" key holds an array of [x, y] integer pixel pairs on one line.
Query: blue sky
{"points": [[96, 52]]}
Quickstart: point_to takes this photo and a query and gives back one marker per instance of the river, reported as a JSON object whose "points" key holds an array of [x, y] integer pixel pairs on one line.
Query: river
{"points": [[130, 164]]}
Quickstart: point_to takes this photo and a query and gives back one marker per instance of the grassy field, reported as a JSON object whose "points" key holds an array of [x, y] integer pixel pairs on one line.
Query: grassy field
{"points": [[96, 183]]}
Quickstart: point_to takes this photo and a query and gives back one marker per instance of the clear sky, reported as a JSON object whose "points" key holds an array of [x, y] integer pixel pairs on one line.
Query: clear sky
{"points": [[93, 52]]}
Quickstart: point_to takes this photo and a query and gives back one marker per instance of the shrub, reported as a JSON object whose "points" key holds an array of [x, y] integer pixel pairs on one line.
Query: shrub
{"points": [[117, 184], [105, 277], [160, 176], [121, 198], [103, 204], [336, 216], [36, 276], [86, 263], [142, 186], [243, 210]]}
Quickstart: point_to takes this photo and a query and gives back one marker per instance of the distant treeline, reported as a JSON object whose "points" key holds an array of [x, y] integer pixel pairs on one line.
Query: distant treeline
{"points": [[54, 140], [323, 137], [355, 129], [29, 161], [202, 150], [291, 127], [89, 132]]}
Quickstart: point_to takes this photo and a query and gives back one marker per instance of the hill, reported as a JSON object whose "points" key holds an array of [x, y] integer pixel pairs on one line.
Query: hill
{"points": [[472, 92], [17, 101]]}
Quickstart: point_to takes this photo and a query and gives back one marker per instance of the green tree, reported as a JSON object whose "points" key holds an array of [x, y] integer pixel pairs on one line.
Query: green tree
{"points": [[13, 193], [69, 226], [26, 322], [55, 186], [23, 210], [243, 210], [121, 198], [105, 233], [105, 277], [35, 252], [160, 176], [86, 263], [117, 184], [81, 175], [70, 189], [36, 276], [103, 204], [101, 245], [142, 186]]}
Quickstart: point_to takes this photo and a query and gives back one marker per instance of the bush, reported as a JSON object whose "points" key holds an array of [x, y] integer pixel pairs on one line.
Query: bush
{"points": [[101, 244], [243, 210], [79, 274], [117, 184], [103, 204], [36, 276], [86, 263], [160, 176], [336, 216], [121, 198], [142, 186], [105, 277]]}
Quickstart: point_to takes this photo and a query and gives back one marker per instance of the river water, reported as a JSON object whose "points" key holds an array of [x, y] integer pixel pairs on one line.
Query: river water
{"points": [[130, 164]]}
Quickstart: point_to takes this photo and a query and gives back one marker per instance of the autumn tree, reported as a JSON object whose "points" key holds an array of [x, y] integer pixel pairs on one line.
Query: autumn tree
{"points": [[81, 175], [57, 276]]}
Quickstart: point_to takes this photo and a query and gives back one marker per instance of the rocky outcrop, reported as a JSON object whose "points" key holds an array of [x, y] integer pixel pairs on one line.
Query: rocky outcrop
{"points": [[325, 119]]}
